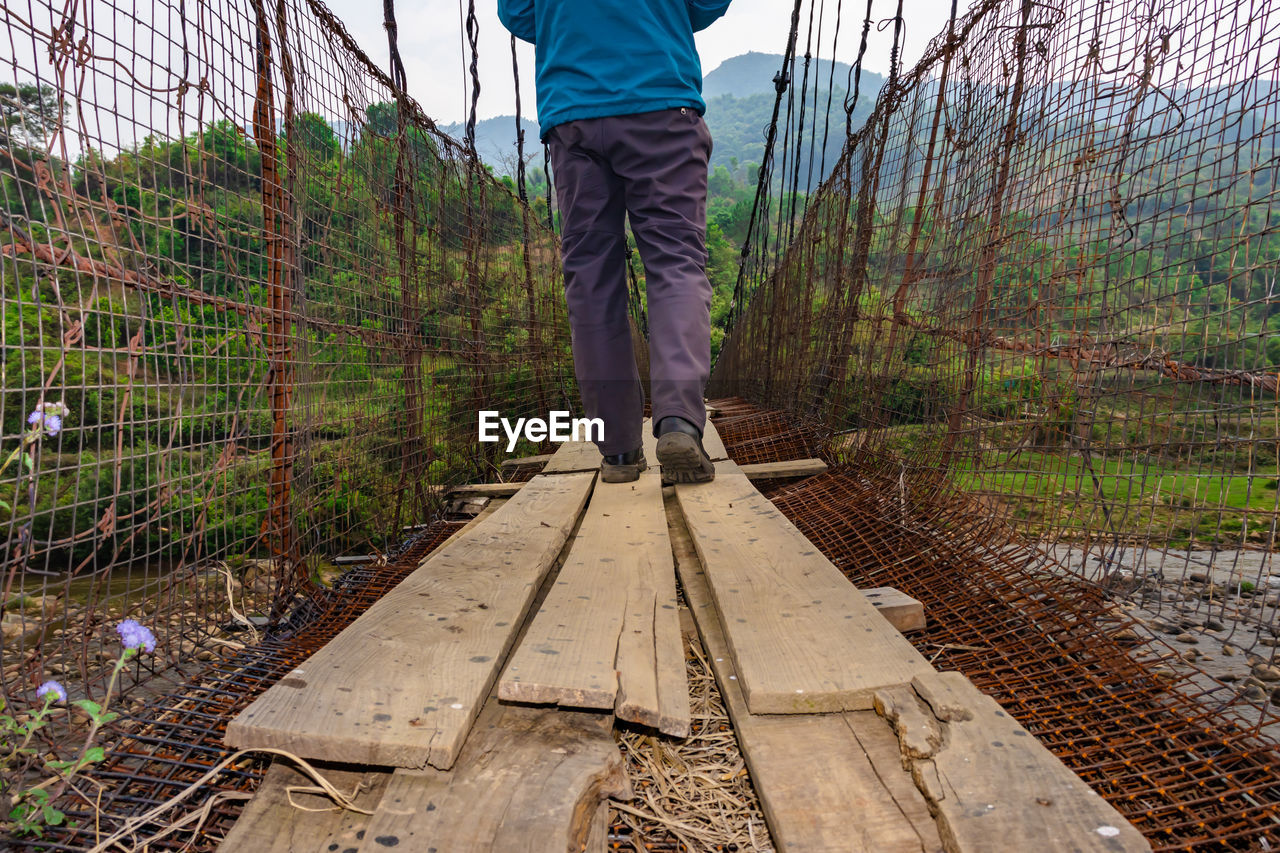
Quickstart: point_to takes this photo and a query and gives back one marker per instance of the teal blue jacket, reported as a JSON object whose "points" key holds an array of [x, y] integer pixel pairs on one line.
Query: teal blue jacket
{"points": [[596, 58]]}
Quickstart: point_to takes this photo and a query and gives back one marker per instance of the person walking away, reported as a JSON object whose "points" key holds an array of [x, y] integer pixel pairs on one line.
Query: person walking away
{"points": [[620, 106]]}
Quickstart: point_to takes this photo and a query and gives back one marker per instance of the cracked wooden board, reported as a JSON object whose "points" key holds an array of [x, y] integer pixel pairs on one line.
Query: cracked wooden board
{"points": [[528, 779], [608, 635], [992, 785], [827, 782], [803, 638], [402, 684]]}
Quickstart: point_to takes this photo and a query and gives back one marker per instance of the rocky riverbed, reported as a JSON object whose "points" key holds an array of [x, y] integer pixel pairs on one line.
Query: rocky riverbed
{"points": [[1211, 616]]}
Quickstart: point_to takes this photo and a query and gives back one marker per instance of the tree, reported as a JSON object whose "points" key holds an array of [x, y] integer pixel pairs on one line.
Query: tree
{"points": [[316, 138], [29, 115]]}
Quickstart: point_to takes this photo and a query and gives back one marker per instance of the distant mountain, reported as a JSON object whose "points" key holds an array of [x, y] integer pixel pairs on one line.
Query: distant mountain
{"points": [[496, 140], [752, 74]]}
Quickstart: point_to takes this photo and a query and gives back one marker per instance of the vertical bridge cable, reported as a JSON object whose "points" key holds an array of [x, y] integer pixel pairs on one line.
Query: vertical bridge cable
{"points": [[473, 37], [781, 82], [855, 73], [413, 460], [277, 213], [520, 183]]}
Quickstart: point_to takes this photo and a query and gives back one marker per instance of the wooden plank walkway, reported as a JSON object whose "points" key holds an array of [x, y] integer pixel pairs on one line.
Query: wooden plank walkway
{"points": [[820, 786], [802, 637], [363, 697], [602, 637], [853, 741]]}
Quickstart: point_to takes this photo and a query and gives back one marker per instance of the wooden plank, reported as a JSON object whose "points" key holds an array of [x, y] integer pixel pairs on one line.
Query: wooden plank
{"points": [[492, 490], [803, 638], [610, 619], [673, 675], [488, 510], [637, 661], [573, 456], [598, 840], [812, 771], [784, 470], [902, 611], [993, 785], [528, 779], [712, 444], [527, 461], [271, 823], [402, 684]]}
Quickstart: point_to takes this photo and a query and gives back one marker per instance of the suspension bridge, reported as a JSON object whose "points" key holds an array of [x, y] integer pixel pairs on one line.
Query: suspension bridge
{"points": [[987, 561]]}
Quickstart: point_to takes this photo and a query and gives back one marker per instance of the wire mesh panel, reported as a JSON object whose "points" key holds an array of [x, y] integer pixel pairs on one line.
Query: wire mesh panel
{"points": [[1045, 269], [252, 301]]}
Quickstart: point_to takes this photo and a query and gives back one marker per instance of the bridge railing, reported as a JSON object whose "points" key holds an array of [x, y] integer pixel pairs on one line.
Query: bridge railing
{"points": [[252, 299], [1045, 268]]}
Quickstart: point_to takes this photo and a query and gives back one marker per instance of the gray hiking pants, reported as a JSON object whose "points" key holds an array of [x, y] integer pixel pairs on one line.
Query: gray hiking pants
{"points": [[651, 167]]}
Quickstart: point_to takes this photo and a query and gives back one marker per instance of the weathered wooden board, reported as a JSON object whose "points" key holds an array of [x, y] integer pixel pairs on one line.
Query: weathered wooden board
{"points": [[712, 444], [403, 683], [487, 489], [528, 779], [784, 470], [608, 634], [993, 785], [573, 456], [488, 510], [527, 461], [903, 612], [803, 638], [271, 823], [827, 782]]}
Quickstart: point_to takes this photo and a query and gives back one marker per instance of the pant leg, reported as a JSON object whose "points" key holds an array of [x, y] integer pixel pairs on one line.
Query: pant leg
{"points": [[662, 158], [593, 251]]}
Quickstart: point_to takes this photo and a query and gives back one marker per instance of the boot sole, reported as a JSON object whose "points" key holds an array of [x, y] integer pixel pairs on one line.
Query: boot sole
{"points": [[622, 473], [682, 460]]}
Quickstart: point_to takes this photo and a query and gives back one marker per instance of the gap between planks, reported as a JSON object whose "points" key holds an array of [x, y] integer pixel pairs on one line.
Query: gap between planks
{"points": [[608, 635]]}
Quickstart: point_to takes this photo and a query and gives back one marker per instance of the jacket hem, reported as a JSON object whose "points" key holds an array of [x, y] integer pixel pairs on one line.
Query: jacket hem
{"points": [[611, 110]]}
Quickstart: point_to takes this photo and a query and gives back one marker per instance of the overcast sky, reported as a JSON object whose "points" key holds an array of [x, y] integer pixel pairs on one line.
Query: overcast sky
{"points": [[432, 41]]}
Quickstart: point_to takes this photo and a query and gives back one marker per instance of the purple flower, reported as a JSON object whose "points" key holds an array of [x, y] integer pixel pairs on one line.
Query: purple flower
{"points": [[48, 417], [52, 691], [136, 636]]}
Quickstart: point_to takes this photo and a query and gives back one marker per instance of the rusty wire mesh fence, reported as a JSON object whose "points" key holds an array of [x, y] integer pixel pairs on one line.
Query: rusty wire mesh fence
{"points": [[252, 301], [1040, 279]]}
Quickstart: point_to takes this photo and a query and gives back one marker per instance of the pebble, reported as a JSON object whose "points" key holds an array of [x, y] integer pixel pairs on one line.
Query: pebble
{"points": [[1190, 655], [1266, 672], [1187, 638], [1229, 677], [1214, 625], [1228, 650], [1163, 672], [1270, 642], [1255, 693]]}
